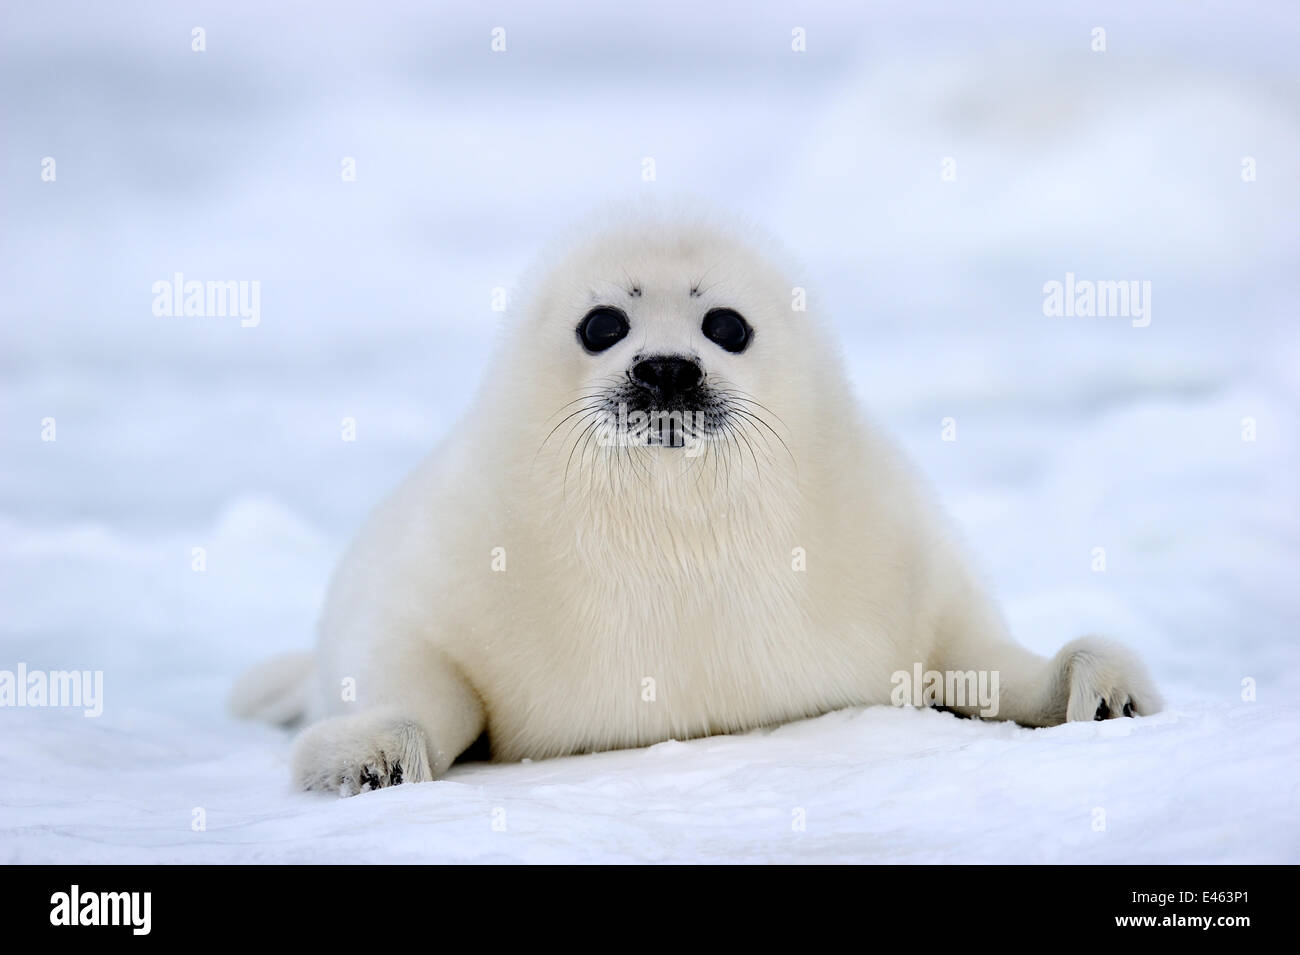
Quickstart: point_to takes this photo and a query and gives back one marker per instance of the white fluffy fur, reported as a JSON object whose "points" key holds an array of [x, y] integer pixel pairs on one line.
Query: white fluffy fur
{"points": [[630, 563]]}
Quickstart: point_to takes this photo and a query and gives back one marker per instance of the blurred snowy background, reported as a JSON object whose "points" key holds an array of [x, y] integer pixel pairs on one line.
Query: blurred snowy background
{"points": [[1073, 433]]}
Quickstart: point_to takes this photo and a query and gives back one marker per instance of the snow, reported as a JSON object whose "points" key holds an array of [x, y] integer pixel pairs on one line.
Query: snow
{"points": [[1072, 433]]}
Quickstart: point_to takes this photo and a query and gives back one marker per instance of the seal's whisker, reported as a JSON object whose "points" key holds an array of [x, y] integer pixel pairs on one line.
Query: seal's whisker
{"points": [[592, 431], [742, 426], [731, 390], [565, 484], [594, 394], [730, 431], [583, 410], [737, 396], [758, 468], [749, 417]]}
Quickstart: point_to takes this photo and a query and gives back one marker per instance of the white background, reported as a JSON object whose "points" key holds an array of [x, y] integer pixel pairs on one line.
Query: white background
{"points": [[1073, 433]]}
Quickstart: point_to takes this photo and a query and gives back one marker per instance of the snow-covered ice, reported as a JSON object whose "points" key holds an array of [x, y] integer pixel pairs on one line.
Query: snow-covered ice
{"points": [[1072, 433]]}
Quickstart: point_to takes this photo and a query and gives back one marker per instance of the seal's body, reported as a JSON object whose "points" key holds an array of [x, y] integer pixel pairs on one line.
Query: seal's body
{"points": [[663, 517]]}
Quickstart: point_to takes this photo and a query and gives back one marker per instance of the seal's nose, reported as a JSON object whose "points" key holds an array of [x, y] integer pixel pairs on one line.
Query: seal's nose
{"points": [[667, 376]]}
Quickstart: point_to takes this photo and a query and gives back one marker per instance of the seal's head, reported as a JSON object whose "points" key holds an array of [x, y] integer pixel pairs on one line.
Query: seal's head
{"points": [[662, 347]]}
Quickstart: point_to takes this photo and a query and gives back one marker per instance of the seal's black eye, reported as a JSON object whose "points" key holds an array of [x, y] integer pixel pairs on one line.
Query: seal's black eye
{"points": [[727, 328], [601, 328]]}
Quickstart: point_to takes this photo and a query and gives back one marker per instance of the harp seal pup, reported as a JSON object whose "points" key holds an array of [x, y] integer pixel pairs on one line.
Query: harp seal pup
{"points": [[571, 573]]}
